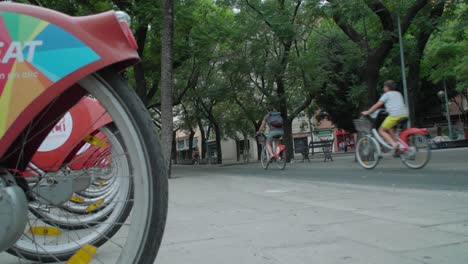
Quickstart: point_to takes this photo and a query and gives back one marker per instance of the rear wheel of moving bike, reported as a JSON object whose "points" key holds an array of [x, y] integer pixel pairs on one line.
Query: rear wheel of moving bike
{"points": [[264, 158], [132, 231], [368, 152], [419, 152], [281, 160]]}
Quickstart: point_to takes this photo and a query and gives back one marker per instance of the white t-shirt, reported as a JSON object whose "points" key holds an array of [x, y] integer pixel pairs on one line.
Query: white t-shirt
{"points": [[394, 103]]}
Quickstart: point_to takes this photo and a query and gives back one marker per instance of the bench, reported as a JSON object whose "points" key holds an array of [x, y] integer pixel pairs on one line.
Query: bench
{"points": [[325, 145]]}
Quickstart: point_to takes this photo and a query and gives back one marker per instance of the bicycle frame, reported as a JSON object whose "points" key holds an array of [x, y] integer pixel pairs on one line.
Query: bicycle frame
{"points": [[383, 143], [402, 137], [33, 58]]}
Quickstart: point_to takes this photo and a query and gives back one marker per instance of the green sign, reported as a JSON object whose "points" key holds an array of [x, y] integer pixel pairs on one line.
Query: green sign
{"points": [[323, 132]]}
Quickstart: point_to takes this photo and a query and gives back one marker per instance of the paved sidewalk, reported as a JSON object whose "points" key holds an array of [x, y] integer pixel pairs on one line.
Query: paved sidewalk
{"points": [[316, 212], [228, 219]]}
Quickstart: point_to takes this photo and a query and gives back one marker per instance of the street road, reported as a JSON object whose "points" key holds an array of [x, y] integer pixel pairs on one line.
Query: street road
{"points": [[447, 170]]}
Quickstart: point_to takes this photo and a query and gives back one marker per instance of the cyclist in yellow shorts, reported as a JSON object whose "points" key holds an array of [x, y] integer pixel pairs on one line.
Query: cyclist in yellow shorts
{"points": [[396, 108]]}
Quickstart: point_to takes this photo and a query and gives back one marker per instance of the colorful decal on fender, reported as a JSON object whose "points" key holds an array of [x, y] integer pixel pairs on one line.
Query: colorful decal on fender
{"points": [[34, 54]]}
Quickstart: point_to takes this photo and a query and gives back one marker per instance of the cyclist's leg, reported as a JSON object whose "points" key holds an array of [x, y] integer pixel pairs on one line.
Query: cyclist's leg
{"points": [[269, 147], [386, 130], [392, 134], [275, 146], [276, 134]]}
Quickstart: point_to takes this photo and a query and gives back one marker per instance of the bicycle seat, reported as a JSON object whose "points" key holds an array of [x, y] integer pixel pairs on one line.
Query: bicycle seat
{"points": [[402, 122]]}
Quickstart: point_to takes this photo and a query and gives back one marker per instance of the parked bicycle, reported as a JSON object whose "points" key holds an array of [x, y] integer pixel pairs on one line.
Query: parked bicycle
{"points": [[278, 148], [414, 147], [117, 198]]}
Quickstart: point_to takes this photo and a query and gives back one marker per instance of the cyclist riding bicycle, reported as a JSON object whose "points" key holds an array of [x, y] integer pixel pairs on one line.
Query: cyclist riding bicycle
{"points": [[396, 108], [275, 125]]}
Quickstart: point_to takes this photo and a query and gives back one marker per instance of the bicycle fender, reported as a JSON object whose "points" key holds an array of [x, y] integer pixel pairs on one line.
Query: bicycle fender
{"points": [[410, 131], [43, 53], [67, 137]]}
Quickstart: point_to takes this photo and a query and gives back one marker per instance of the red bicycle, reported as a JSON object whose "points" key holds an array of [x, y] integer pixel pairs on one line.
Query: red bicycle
{"points": [[278, 148], [74, 185], [414, 151]]}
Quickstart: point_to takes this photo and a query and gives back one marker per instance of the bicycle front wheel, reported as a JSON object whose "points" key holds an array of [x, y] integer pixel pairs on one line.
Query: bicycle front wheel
{"points": [[135, 185], [368, 152], [419, 152]]}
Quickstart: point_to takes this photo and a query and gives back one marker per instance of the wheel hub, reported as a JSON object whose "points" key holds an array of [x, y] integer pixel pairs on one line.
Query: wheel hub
{"points": [[54, 189], [13, 211]]}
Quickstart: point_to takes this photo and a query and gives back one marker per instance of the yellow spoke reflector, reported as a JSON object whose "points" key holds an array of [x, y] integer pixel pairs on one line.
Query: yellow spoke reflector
{"points": [[45, 231], [76, 199], [83, 256], [95, 141], [94, 206], [101, 183]]}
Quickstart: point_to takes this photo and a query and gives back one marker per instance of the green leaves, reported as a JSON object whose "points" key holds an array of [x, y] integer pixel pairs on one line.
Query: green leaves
{"points": [[237, 56], [446, 57]]}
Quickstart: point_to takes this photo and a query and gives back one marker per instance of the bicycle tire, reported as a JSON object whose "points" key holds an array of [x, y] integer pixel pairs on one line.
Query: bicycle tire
{"points": [[367, 152], [149, 176], [407, 158]]}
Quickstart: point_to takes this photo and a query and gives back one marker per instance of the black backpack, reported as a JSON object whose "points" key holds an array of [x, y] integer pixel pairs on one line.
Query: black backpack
{"points": [[275, 119]]}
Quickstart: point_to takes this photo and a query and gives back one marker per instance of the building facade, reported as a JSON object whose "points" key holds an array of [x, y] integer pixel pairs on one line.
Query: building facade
{"points": [[304, 131]]}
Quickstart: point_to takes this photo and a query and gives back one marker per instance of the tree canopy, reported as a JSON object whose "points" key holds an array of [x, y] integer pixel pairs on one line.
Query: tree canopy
{"points": [[234, 59]]}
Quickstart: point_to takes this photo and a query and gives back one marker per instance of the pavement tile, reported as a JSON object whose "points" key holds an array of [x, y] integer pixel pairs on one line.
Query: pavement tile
{"points": [[463, 209], [192, 233], [417, 215], [293, 228], [339, 252], [458, 228], [394, 236], [450, 254], [216, 251]]}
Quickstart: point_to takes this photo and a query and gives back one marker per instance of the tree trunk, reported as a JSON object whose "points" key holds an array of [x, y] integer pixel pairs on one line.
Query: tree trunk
{"points": [[207, 149], [372, 73], [413, 88], [174, 147], [167, 81], [140, 82], [287, 126], [219, 152], [138, 70], [259, 146], [238, 143], [288, 139], [190, 150], [372, 80], [259, 149], [246, 148], [203, 139]]}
